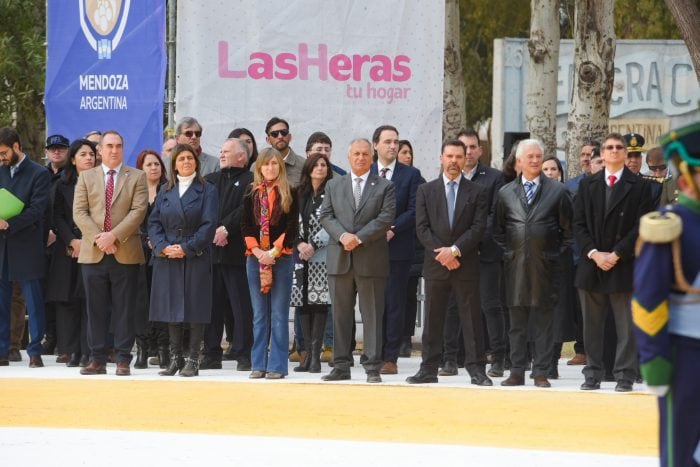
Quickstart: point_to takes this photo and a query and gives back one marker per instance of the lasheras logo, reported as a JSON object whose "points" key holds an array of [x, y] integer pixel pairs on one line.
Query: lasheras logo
{"points": [[103, 23]]}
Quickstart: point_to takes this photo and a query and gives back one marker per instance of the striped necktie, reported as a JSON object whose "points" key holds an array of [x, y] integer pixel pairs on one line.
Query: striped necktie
{"points": [[529, 191]]}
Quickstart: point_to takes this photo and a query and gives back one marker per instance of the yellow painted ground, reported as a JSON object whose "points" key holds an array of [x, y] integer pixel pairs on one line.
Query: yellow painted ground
{"points": [[567, 421]]}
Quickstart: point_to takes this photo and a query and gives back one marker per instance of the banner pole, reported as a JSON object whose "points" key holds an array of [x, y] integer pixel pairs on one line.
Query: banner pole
{"points": [[172, 18]]}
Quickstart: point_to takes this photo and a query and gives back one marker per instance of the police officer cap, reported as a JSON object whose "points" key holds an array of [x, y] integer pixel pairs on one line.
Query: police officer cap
{"points": [[57, 140], [683, 143], [634, 141]]}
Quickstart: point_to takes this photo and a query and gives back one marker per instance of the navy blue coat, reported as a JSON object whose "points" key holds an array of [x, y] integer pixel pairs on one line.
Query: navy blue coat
{"points": [[181, 289], [406, 180], [24, 241]]}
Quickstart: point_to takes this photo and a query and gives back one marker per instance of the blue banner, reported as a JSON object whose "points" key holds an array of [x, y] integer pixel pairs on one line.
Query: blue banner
{"points": [[105, 70]]}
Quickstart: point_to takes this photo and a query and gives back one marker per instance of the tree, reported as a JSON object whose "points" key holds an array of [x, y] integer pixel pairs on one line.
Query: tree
{"points": [[453, 112], [22, 70], [541, 109], [594, 53], [687, 16]]}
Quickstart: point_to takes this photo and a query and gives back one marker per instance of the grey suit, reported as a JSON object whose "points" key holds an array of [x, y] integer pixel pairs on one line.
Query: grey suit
{"points": [[363, 270]]}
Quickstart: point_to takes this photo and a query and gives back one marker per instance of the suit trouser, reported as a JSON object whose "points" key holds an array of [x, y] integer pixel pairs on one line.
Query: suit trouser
{"points": [[541, 318], [110, 289], [32, 290], [395, 309], [370, 292], [466, 293], [409, 325], [231, 296], [18, 312], [595, 308], [71, 327]]}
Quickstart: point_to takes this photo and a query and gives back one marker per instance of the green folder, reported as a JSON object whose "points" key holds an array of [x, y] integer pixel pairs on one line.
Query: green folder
{"points": [[10, 205]]}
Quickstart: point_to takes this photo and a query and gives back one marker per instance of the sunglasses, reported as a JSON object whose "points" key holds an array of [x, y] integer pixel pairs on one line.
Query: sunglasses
{"points": [[656, 168], [278, 133], [190, 133], [610, 147]]}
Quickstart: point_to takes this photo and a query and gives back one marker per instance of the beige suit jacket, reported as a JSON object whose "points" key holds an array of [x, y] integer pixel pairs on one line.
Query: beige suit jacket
{"points": [[129, 204]]}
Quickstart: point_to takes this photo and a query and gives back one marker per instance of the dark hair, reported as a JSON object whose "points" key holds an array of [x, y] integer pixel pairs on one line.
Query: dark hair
{"points": [[69, 175], [453, 142], [592, 142], [111, 132], [509, 172], [317, 137], [274, 121], [617, 136], [236, 133], [173, 158], [405, 142], [559, 166], [311, 161], [9, 136], [141, 159], [595, 152], [378, 132], [469, 133]]}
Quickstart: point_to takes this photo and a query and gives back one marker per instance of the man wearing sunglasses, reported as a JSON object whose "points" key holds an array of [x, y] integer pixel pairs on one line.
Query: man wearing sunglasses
{"points": [[659, 173], [278, 136], [608, 206], [189, 131]]}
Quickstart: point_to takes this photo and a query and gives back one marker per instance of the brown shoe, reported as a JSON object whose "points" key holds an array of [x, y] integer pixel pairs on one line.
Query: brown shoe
{"points": [[579, 359], [389, 368], [111, 356], [542, 382], [94, 368], [35, 361], [123, 369], [63, 358], [514, 380]]}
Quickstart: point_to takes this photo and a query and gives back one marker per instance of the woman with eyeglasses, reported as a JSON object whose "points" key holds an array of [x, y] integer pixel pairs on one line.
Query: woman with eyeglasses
{"points": [[269, 225]]}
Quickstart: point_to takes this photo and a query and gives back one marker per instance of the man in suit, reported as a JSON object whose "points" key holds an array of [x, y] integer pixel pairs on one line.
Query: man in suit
{"points": [[189, 131], [401, 238], [451, 216], [109, 205], [230, 288], [533, 226], [606, 223], [278, 136], [357, 211], [22, 241]]}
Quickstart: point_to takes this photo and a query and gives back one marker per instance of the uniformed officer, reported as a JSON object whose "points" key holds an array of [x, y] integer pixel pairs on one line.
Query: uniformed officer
{"points": [[666, 304]]}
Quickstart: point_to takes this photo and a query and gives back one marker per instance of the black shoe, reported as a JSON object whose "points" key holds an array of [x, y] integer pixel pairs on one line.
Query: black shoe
{"points": [[74, 360], [481, 379], [336, 375], [363, 359], [14, 356], [163, 358], [590, 385], [304, 363], [47, 348], [553, 373], [496, 370], [4, 361], [422, 377], [608, 378], [448, 369], [228, 355], [209, 363], [623, 385], [141, 361], [243, 364], [373, 376], [405, 349], [84, 361], [176, 364]]}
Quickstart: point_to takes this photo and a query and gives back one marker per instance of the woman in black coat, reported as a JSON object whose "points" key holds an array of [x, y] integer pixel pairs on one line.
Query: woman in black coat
{"points": [[181, 230], [64, 286]]}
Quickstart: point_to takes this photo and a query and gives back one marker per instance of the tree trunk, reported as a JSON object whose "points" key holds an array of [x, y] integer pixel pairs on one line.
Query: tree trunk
{"points": [[687, 16], [594, 53], [541, 110], [454, 105]]}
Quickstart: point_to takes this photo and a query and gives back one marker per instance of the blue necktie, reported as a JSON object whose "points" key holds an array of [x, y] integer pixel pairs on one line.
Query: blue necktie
{"points": [[451, 200], [529, 191]]}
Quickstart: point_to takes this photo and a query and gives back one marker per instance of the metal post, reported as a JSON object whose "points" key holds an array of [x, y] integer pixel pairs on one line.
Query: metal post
{"points": [[170, 42]]}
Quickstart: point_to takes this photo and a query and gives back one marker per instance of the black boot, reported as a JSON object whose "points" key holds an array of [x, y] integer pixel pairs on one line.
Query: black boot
{"points": [[163, 357], [141, 361], [176, 361], [176, 364], [305, 360], [554, 366], [191, 368], [317, 332]]}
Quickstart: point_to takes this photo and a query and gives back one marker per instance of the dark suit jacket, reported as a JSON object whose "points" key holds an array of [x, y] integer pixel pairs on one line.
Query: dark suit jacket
{"points": [[24, 241], [434, 231], [492, 180], [611, 228], [406, 180], [369, 222]]}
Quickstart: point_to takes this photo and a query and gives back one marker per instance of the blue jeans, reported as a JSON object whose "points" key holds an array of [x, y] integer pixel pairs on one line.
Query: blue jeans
{"points": [[34, 298], [271, 315]]}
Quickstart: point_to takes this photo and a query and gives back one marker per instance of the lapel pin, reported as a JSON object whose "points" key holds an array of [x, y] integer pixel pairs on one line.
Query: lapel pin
{"points": [[235, 184]]}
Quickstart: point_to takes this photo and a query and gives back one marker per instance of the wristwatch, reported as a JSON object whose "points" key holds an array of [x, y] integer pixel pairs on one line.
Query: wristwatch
{"points": [[455, 251]]}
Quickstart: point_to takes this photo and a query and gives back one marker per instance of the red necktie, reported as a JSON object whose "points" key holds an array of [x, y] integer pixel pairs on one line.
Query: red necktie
{"points": [[108, 201], [612, 179]]}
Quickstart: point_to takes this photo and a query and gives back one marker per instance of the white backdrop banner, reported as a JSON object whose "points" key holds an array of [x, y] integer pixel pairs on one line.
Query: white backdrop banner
{"points": [[337, 66]]}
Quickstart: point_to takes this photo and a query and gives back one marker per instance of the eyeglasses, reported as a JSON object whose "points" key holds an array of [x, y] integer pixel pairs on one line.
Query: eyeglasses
{"points": [[190, 133], [279, 133], [656, 168], [610, 147]]}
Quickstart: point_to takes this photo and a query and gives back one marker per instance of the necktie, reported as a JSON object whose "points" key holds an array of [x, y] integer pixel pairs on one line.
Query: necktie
{"points": [[357, 192], [529, 191], [612, 179], [451, 200], [383, 172], [108, 200]]}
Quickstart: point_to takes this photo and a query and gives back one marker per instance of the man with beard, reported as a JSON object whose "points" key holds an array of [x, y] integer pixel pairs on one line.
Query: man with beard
{"points": [[279, 137]]}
